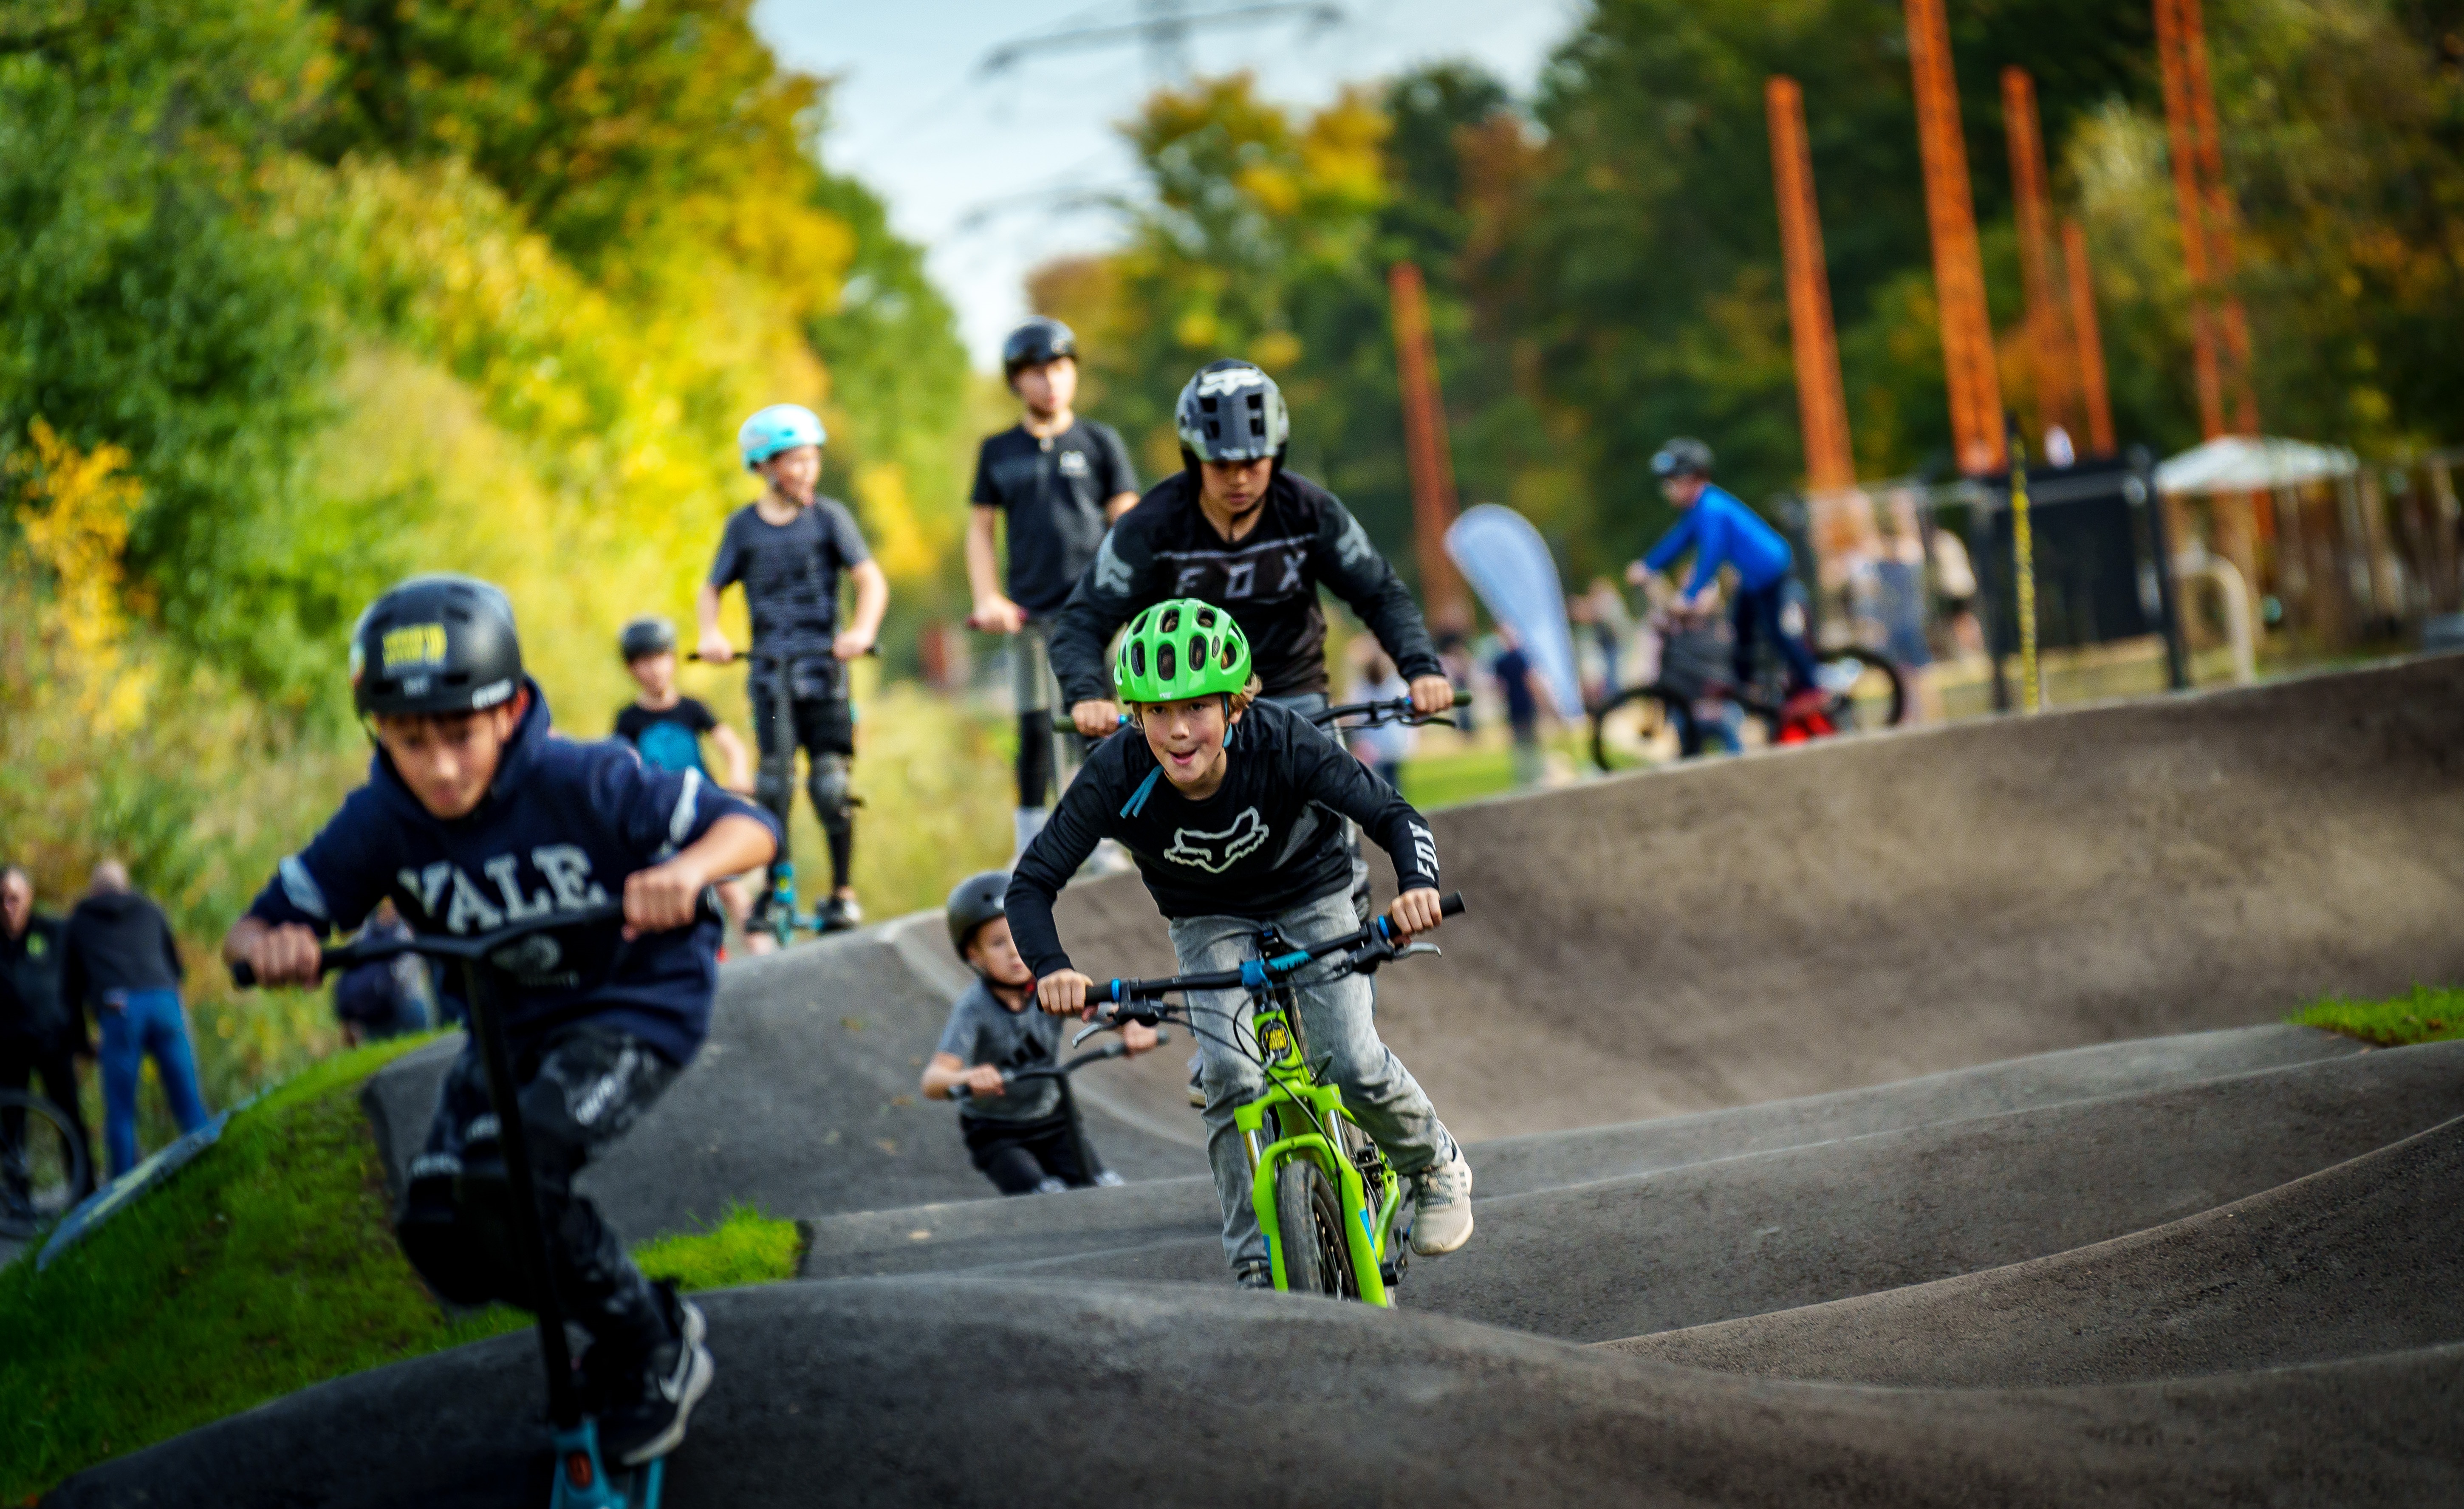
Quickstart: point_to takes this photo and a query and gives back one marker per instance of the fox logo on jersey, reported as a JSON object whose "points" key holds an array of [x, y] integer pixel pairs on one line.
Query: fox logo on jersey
{"points": [[1218, 852]]}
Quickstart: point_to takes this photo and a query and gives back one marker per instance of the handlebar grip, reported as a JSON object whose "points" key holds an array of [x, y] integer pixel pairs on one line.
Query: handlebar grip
{"points": [[1450, 904], [243, 976]]}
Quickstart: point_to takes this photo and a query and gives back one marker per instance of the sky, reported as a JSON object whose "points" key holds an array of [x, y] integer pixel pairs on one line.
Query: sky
{"points": [[993, 171]]}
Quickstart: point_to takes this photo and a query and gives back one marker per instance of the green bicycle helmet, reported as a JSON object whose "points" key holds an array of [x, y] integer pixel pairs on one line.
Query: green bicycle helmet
{"points": [[1181, 647]]}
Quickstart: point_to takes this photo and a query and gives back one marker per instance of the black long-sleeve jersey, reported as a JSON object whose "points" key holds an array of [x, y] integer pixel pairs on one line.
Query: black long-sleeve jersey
{"points": [[1269, 579], [1269, 839]]}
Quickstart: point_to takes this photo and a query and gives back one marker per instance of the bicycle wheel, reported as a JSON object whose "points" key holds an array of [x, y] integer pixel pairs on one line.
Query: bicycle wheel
{"points": [[1317, 1257], [1866, 689], [42, 1164], [1643, 726]]}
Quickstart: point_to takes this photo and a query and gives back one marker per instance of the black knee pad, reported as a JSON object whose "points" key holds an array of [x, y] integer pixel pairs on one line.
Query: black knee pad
{"points": [[774, 789], [828, 784]]}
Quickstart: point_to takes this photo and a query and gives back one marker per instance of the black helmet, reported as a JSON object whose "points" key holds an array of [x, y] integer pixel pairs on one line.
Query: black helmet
{"points": [[439, 643], [1681, 458], [644, 637], [1034, 343], [976, 901], [1232, 411]]}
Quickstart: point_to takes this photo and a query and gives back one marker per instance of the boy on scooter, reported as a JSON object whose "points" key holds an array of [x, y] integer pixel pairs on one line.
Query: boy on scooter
{"points": [[476, 815], [1027, 1137], [1233, 808]]}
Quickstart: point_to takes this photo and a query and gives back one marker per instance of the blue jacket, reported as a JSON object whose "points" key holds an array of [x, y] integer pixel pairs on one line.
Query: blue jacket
{"points": [[561, 827], [1722, 531]]}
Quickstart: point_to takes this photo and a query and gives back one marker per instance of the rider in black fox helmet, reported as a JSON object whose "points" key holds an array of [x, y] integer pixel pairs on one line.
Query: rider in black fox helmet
{"points": [[435, 645], [1034, 343]]}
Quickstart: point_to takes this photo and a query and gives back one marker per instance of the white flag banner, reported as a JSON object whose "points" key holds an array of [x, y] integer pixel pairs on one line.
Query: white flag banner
{"points": [[1508, 565]]}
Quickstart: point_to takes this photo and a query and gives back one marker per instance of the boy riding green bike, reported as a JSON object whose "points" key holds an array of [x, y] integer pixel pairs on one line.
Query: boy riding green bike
{"points": [[1233, 810]]}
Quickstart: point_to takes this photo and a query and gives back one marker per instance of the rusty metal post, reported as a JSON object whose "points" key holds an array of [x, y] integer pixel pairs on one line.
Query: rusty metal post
{"points": [[1958, 271], [1425, 449], [2093, 395], [1821, 400], [2051, 354]]}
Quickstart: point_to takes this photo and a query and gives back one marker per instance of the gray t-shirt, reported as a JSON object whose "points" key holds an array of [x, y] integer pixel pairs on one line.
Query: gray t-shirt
{"points": [[791, 575], [982, 1030]]}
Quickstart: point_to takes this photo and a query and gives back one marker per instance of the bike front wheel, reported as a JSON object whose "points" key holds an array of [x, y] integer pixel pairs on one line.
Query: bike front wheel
{"points": [[42, 1164], [1317, 1257], [1643, 726]]}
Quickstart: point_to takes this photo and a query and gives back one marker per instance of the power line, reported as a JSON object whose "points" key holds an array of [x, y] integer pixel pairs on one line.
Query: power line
{"points": [[1163, 28]]}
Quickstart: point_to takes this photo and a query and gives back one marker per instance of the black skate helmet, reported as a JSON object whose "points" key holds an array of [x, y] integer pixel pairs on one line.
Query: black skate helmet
{"points": [[1032, 345], [974, 901], [1682, 457], [435, 644], [644, 637]]}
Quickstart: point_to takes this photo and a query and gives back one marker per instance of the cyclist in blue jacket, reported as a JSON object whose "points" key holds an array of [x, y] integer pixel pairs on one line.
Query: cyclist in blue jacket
{"points": [[476, 816], [1722, 531]]}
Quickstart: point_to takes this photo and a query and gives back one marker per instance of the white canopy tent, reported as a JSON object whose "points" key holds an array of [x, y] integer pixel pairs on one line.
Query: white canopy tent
{"points": [[2242, 464]]}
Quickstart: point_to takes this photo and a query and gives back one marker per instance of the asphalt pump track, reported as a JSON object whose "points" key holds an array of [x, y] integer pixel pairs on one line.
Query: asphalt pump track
{"points": [[1891, 1122]]}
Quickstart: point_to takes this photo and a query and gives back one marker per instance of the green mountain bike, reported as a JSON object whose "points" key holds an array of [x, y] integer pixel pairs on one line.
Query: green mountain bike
{"points": [[1333, 1208]]}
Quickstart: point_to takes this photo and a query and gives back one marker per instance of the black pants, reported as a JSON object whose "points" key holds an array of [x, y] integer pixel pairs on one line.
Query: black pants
{"points": [[21, 1062], [1019, 1157], [817, 719], [1757, 613], [580, 1088]]}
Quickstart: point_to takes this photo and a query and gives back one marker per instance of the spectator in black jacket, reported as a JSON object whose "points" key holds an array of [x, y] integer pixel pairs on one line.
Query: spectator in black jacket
{"points": [[121, 963], [39, 1035]]}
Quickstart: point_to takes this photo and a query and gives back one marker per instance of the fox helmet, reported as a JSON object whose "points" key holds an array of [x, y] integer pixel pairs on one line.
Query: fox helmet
{"points": [[1034, 343], [1181, 647], [646, 636], [1682, 457], [781, 427], [435, 644], [974, 901], [1232, 411]]}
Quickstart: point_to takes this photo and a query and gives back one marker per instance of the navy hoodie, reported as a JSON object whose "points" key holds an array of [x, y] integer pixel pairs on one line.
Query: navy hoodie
{"points": [[561, 826]]}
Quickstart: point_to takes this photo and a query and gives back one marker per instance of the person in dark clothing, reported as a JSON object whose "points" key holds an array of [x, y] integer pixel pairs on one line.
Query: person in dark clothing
{"points": [[40, 1037], [1515, 670], [787, 548], [475, 815], [1059, 481], [666, 728], [1026, 1138], [1235, 529], [1233, 809], [120, 962], [384, 997]]}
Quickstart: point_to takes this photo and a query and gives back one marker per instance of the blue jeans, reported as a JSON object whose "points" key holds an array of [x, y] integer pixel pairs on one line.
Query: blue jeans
{"points": [[1757, 612], [148, 1022], [1336, 1018]]}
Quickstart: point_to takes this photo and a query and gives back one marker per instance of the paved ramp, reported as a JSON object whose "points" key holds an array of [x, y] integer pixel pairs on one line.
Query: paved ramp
{"points": [[1901, 1113]]}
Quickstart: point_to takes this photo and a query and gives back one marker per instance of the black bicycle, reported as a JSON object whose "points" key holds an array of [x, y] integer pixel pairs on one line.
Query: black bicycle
{"points": [[1665, 720], [493, 966], [45, 1169]]}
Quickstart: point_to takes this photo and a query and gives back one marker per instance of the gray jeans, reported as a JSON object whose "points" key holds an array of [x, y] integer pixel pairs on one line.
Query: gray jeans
{"points": [[1335, 1019]]}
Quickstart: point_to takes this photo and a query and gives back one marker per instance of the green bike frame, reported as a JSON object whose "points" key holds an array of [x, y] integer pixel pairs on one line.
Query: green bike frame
{"points": [[1307, 1121]]}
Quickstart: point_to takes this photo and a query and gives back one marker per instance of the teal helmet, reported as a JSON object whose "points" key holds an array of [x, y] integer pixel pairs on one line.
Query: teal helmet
{"points": [[781, 427], [1181, 647]]}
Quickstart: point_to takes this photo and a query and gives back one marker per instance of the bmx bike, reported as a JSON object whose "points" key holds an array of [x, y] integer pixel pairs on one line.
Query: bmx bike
{"points": [[1329, 1204], [1332, 719], [494, 964], [1664, 720], [45, 1167], [959, 1093]]}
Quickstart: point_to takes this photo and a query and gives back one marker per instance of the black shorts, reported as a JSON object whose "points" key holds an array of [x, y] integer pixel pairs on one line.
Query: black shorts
{"points": [[817, 712]]}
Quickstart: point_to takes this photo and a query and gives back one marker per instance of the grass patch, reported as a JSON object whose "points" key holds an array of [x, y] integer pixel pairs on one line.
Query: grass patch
{"points": [[1431, 781], [2429, 1014], [267, 1265]]}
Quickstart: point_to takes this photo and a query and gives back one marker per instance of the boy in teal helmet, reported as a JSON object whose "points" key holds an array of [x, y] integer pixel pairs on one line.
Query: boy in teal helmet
{"points": [[1232, 808]]}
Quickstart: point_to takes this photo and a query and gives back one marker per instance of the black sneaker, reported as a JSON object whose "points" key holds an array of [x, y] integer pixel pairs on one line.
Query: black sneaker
{"points": [[838, 914], [645, 1417]]}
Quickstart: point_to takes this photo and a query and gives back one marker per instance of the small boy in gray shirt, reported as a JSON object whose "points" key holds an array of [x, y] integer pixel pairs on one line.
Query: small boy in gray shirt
{"points": [[1024, 1138]]}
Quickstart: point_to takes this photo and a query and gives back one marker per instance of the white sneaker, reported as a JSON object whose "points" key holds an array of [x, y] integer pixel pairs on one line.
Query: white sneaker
{"points": [[1442, 1218]]}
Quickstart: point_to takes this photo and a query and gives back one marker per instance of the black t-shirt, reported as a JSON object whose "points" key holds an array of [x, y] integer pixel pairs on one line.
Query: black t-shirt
{"points": [[791, 574], [668, 738], [1269, 579], [1053, 488], [30, 1007], [1271, 838]]}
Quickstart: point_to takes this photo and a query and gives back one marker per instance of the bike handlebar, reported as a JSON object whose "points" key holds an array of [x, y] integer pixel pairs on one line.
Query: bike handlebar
{"points": [[1391, 710], [961, 1090], [440, 945], [1377, 938]]}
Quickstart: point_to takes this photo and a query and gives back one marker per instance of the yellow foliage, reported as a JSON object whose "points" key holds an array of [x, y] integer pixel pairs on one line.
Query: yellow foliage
{"points": [[75, 515]]}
